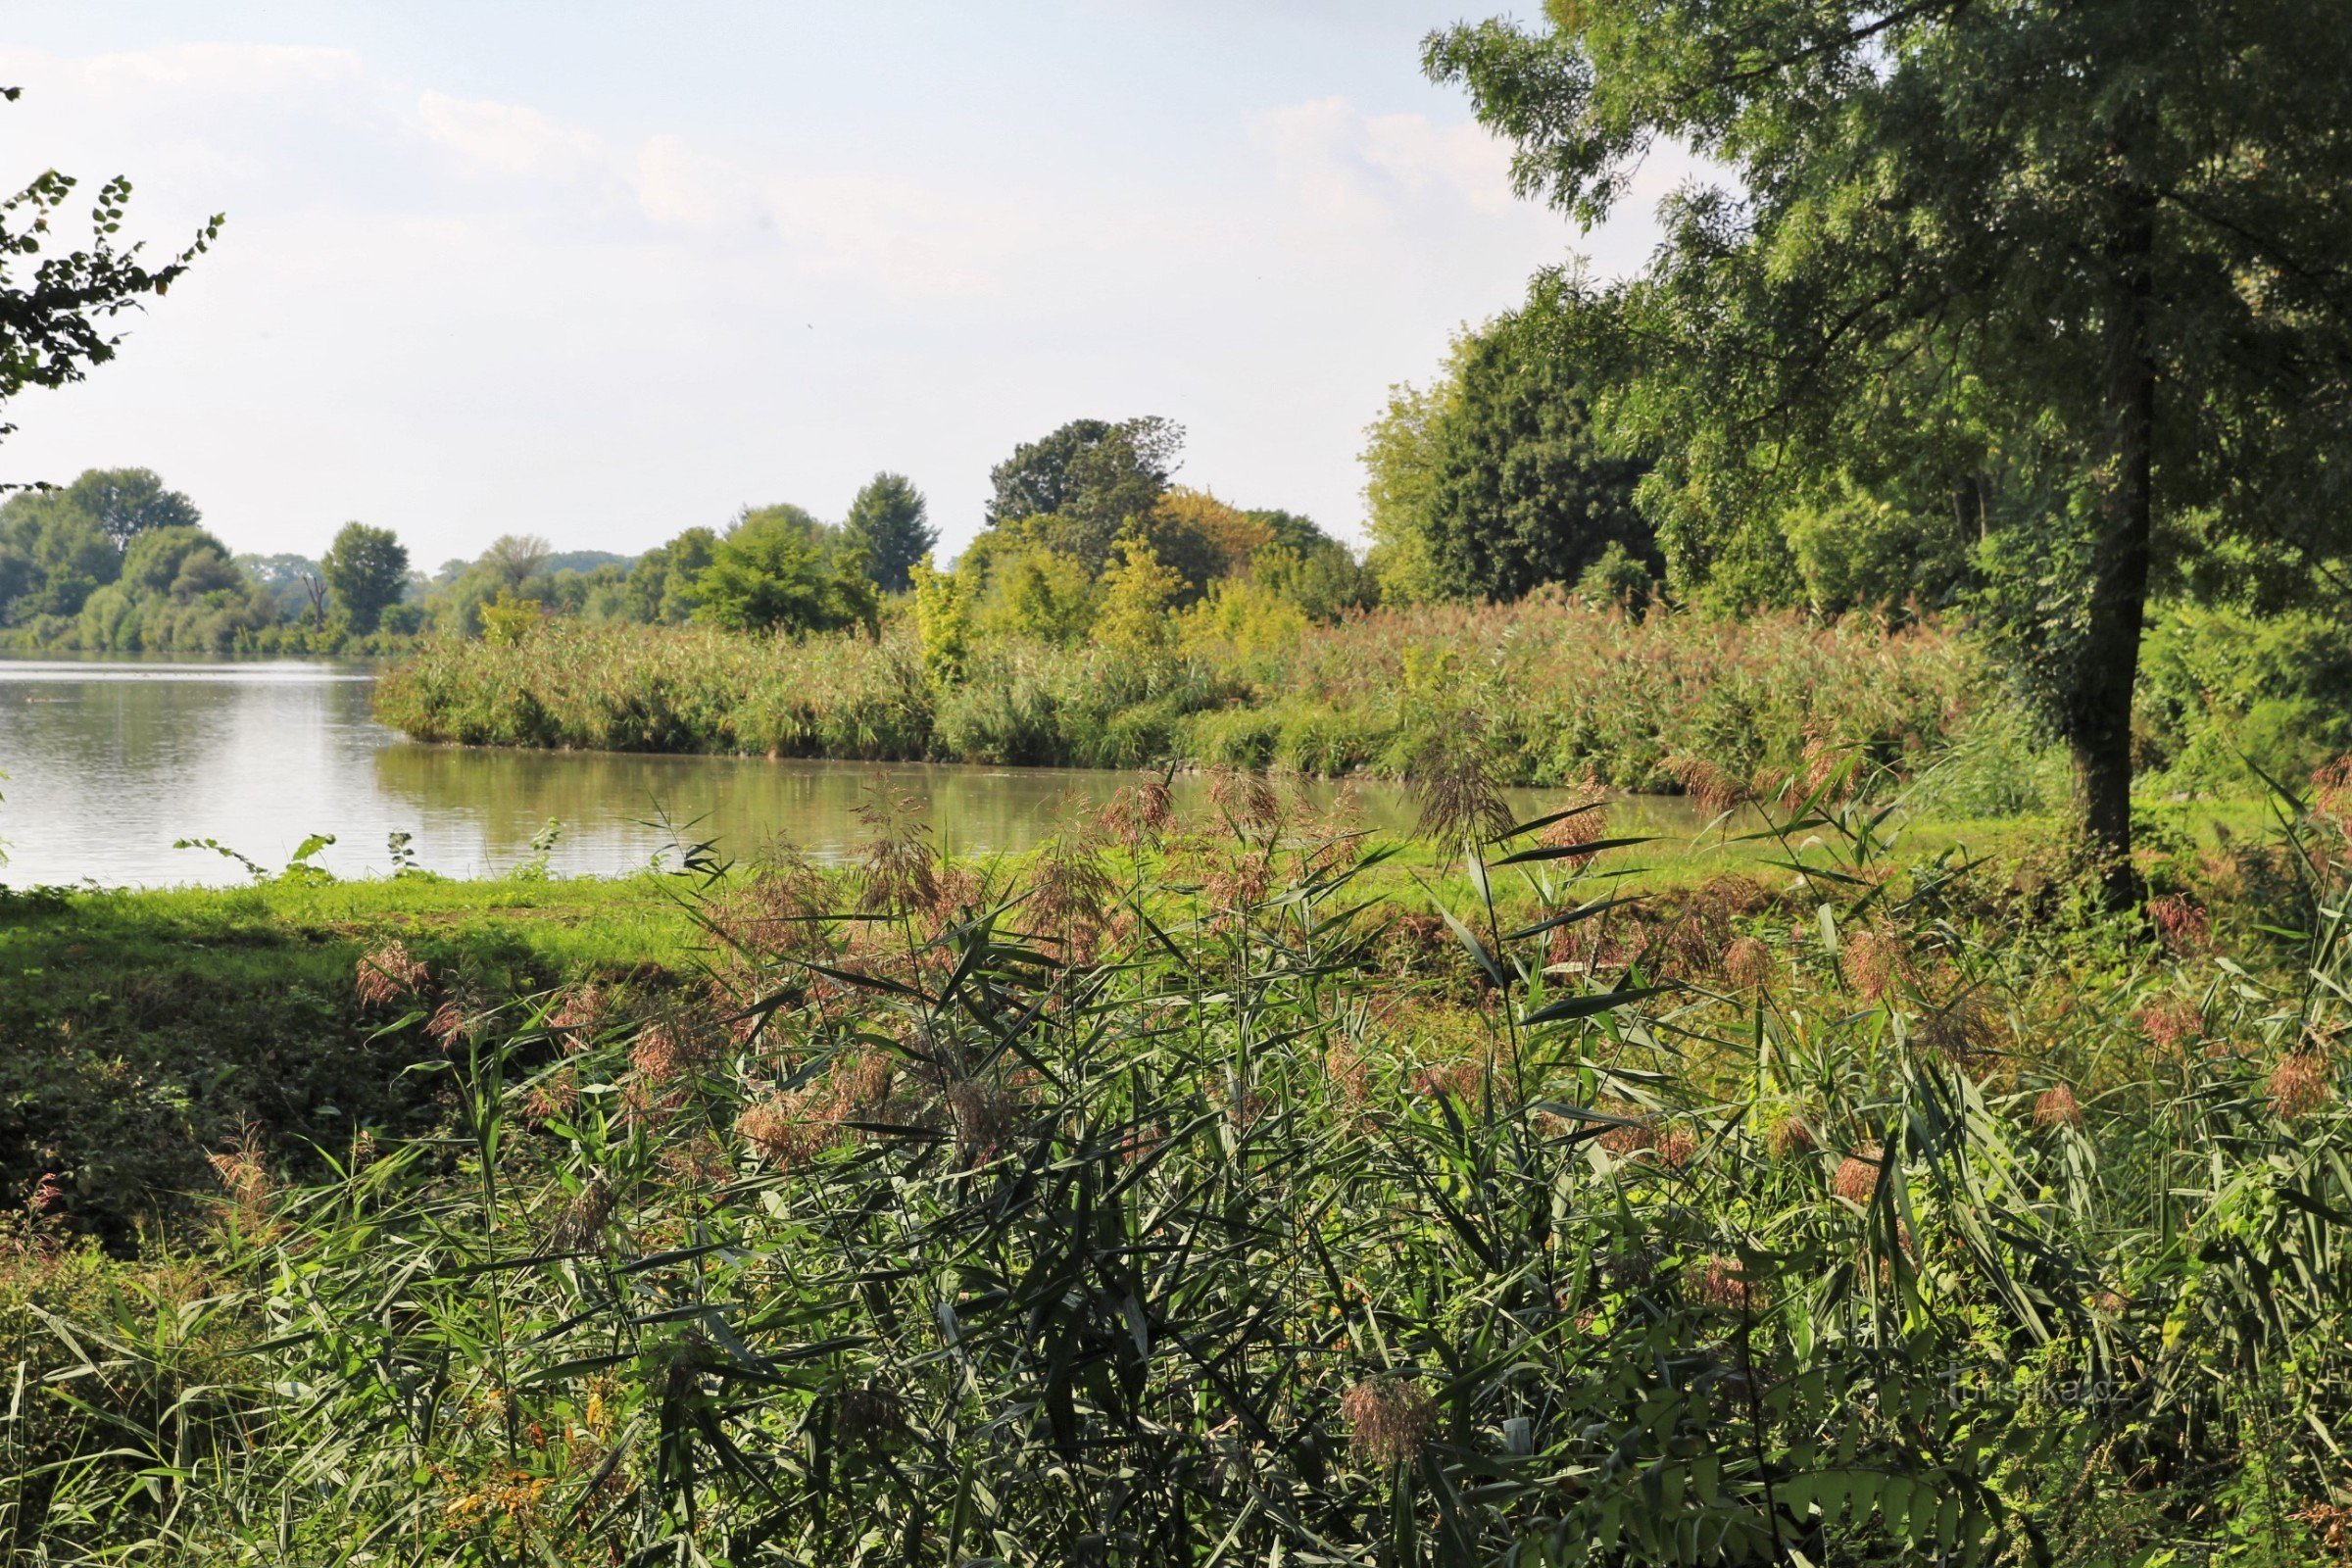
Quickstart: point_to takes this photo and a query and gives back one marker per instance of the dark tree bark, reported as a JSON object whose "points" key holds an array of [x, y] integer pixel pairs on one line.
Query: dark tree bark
{"points": [[2100, 716]]}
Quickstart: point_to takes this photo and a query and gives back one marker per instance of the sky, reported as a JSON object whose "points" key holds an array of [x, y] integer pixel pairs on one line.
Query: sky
{"points": [[602, 272]]}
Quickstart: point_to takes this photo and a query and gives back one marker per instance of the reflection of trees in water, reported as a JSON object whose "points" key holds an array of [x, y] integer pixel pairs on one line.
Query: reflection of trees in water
{"points": [[602, 798]]}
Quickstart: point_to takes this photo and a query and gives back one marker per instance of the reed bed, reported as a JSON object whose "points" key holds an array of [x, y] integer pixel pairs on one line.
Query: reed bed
{"points": [[1167, 1203], [1570, 694]]}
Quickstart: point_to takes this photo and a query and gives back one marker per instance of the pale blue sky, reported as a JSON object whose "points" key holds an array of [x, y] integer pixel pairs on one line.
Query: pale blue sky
{"points": [[602, 272]]}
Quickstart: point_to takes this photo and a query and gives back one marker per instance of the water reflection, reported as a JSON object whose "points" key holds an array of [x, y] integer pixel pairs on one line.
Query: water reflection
{"points": [[110, 761]]}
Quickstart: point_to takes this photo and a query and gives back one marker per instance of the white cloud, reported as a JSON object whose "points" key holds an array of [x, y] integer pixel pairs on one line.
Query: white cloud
{"points": [[1347, 163], [508, 138]]}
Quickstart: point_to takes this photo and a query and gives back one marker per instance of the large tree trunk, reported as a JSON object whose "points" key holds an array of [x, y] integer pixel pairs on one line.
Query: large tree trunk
{"points": [[2101, 728]]}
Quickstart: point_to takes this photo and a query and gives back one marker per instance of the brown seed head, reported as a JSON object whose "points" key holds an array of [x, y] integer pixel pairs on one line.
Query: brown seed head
{"points": [[2299, 1086], [2056, 1106], [1857, 1176], [1726, 1283], [388, 975], [1872, 959], [1791, 1137], [2173, 1023], [1389, 1419], [1748, 963], [2182, 923]]}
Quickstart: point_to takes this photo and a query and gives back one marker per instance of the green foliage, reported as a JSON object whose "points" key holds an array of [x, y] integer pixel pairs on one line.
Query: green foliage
{"points": [[888, 521], [126, 503], [1401, 465], [366, 569], [1860, 552], [2001, 257], [942, 617], [1039, 592], [1521, 490], [661, 586], [2229, 698], [508, 620], [1137, 591], [775, 570], [56, 305]]}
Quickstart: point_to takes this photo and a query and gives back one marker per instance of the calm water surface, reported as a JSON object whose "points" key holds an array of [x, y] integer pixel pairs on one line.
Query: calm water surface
{"points": [[108, 763]]}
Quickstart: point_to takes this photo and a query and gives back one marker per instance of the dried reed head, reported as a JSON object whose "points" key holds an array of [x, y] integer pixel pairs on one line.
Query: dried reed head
{"points": [[2299, 1084], [2056, 1106], [576, 1020], [1872, 959], [1139, 815], [583, 1217], [1962, 1031], [986, 1117], [866, 1413], [1748, 964], [2182, 923], [1791, 1137], [2331, 795], [781, 1131], [449, 1023], [2174, 1023], [1632, 1137], [1725, 1282], [244, 1176], [551, 1097], [660, 1052], [1390, 1419], [1070, 890], [1453, 776], [1857, 1176], [1715, 790], [1246, 798], [389, 974], [900, 868]]}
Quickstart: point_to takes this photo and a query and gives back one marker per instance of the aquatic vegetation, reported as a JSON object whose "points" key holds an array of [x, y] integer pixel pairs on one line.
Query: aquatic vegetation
{"points": [[1574, 693]]}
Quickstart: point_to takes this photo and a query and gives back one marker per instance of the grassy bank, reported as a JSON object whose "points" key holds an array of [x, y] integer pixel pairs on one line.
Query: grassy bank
{"points": [[1572, 693], [1236, 1186]]}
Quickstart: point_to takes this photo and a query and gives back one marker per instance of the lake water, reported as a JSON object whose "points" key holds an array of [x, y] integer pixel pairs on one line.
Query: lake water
{"points": [[108, 762]]}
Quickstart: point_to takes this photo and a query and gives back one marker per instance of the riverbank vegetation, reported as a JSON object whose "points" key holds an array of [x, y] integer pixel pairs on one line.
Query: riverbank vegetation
{"points": [[1211, 1183]]}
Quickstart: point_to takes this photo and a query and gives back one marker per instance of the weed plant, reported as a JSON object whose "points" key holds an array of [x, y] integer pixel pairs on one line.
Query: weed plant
{"points": [[1177, 1202]]}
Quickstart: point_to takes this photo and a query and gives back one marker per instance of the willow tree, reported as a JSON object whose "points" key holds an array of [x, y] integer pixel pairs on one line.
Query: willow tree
{"points": [[2082, 264]]}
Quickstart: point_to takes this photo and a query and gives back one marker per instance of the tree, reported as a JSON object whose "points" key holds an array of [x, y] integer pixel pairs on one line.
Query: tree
{"points": [[772, 572], [366, 569], [60, 555], [53, 323], [515, 558], [659, 590], [1521, 491], [127, 501], [888, 521], [1401, 466], [2078, 263], [1081, 486], [1034, 482], [1497, 480], [178, 562]]}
